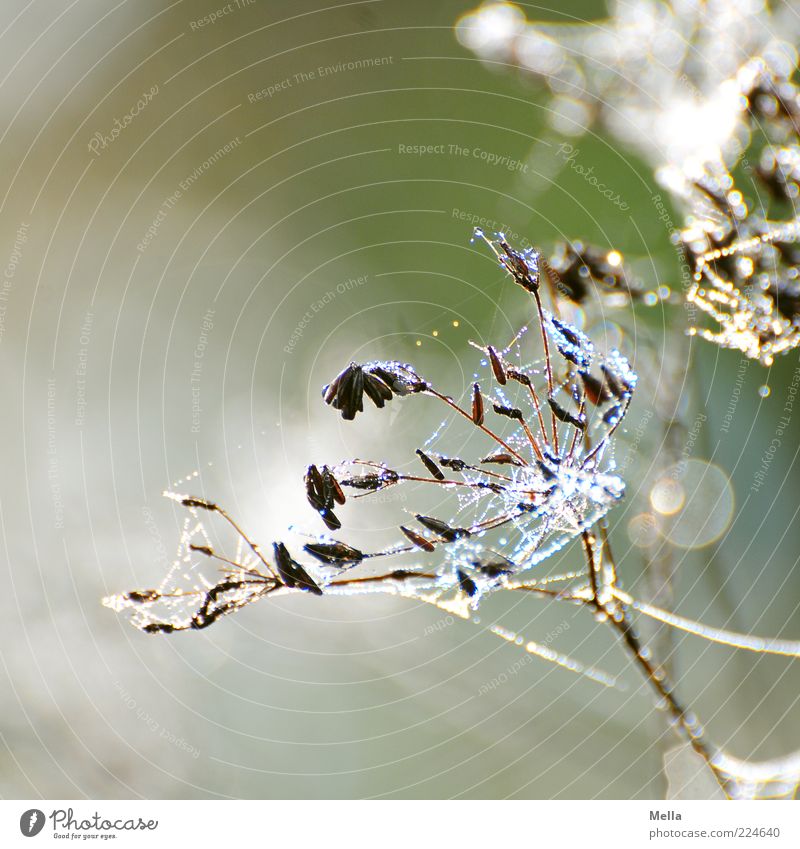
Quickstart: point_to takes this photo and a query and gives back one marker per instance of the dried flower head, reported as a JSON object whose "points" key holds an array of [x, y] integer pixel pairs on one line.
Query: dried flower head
{"points": [[747, 265], [699, 90], [541, 483], [547, 409]]}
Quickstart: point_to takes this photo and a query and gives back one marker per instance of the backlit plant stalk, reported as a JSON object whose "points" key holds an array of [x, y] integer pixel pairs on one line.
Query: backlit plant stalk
{"points": [[549, 417]]}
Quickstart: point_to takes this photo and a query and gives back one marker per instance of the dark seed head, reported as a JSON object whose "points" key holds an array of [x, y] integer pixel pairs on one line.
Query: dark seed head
{"points": [[142, 596], [496, 567], [502, 458], [497, 366], [417, 540], [200, 503], [466, 584], [332, 490], [477, 404], [291, 572], [158, 627], [373, 481], [616, 386], [524, 268], [334, 553], [452, 463], [509, 412], [565, 416], [430, 465], [595, 389], [444, 530], [519, 376]]}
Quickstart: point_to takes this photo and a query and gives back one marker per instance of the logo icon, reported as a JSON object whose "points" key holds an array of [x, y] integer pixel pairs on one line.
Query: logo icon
{"points": [[31, 822]]}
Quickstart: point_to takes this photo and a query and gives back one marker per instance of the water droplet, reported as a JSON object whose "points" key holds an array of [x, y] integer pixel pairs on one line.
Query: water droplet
{"points": [[764, 391], [667, 496]]}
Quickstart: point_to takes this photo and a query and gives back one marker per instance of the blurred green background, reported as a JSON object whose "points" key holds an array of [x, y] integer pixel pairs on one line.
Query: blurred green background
{"points": [[227, 218]]}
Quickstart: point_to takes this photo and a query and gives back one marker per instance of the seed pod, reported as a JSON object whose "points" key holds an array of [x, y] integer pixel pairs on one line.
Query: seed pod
{"points": [[502, 458], [509, 412], [615, 385], [158, 627], [595, 389], [453, 463], [430, 465], [315, 488], [372, 482], [350, 397], [495, 568], [142, 596], [612, 415], [418, 540], [444, 530], [524, 268], [331, 488], [291, 572], [200, 503], [202, 549], [572, 344], [466, 584], [399, 377], [377, 390], [497, 366], [567, 332], [494, 487], [334, 553], [477, 404], [547, 473], [345, 392], [519, 376], [331, 520], [565, 416]]}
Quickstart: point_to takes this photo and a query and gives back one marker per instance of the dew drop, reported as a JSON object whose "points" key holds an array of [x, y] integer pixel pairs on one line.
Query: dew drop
{"points": [[764, 391]]}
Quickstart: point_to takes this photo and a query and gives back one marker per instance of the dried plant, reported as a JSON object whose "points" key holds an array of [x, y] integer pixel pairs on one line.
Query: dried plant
{"points": [[705, 93], [547, 411], [701, 90]]}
